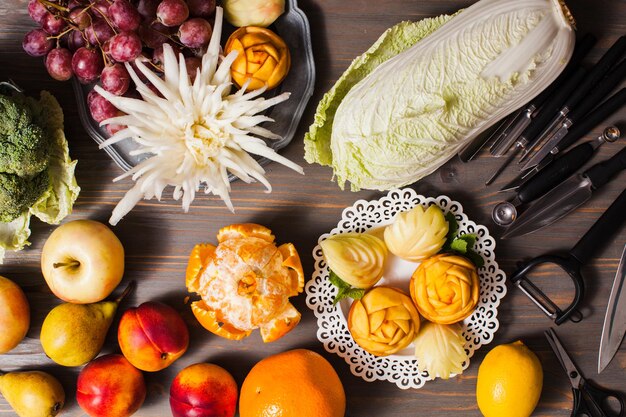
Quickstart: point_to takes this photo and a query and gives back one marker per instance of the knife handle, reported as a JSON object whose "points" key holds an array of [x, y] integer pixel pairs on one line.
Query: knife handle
{"points": [[552, 106], [602, 230], [555, 173], [603, 172], [591, 120], [598, 71], [603, 89], [582, 48]]}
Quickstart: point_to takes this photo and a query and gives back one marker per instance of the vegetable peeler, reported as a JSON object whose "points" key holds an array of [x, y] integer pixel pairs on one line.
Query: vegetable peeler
{"points": [[607, 225]]}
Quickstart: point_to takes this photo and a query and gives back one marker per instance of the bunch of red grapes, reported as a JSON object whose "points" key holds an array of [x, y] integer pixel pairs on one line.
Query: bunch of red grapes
{"points": [[91, 39]]}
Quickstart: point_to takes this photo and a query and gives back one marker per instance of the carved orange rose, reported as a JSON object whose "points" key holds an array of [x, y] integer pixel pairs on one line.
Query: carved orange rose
{"points": [[384, 321], [263, 57], [445, 288]]}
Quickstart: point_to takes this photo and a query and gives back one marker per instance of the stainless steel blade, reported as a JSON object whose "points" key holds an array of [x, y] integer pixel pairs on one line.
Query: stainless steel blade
{"points": [[545, 135], [503, 130], [517, 182], [615, 319], [515, 131], [551, 207], [546, 149]]}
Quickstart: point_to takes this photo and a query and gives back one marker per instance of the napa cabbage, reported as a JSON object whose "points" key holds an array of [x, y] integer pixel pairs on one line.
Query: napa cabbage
{"points": [[424, 89]]}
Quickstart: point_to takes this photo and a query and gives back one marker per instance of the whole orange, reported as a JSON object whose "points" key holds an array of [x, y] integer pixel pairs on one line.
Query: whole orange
{"points": [[296, 383]]}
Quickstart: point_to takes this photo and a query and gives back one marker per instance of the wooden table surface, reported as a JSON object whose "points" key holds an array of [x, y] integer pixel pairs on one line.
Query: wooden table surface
{"points": [[158, 236]]}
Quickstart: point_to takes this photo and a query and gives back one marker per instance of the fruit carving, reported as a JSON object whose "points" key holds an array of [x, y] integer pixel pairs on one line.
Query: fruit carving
{"points": [[245, 283], [384, 321], [445, 288]]}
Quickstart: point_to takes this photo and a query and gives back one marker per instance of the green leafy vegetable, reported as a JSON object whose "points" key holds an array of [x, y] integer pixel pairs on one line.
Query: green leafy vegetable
{"points": [[415, 98], [345, 290], [52, 192], [393, 41], [461, 244]]}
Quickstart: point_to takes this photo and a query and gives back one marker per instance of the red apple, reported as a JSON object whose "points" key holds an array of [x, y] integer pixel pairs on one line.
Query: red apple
{"points": [[110, 386], [152, 336], [203, 390]]}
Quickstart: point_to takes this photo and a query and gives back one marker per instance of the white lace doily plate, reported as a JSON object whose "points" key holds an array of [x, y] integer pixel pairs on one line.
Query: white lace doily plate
{"points": [[402, 368]]}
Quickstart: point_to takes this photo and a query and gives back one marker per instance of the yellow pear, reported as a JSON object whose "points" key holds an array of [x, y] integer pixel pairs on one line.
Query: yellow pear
{"points": [[32, 393], [73, 334]]}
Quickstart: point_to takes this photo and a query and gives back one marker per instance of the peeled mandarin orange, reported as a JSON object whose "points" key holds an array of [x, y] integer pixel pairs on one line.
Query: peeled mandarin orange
{"points": [[296, 383]]}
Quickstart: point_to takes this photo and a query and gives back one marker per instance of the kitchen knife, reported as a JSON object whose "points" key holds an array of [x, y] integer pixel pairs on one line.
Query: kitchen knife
{"points": [[516, 123], [615, 318], [601, 90], [583, 127], [566, 197], [551, 106], [596, 74]]}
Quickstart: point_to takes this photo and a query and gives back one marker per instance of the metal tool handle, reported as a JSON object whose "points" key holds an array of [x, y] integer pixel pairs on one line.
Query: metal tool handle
{"points": [[555, 173], [552, 106], [603, 172], [603, 89], [594, 118], [602, 230], [598, 71], [582, 48]]}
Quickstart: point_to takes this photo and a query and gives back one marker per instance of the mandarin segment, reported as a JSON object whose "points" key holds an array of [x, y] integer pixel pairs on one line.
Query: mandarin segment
{"points": [[281, 325]]}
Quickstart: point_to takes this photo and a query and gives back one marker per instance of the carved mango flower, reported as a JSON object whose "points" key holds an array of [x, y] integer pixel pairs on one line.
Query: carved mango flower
{"points": [[384, 321], [263, 58], [445, 288]]}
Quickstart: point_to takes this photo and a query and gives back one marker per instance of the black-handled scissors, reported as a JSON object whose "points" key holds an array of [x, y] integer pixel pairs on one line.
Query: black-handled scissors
{"points": [[589, 399]]}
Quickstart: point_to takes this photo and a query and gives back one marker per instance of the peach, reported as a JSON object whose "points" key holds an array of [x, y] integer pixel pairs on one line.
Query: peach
{"points": [[14, 315], [203, 390], [152, 336], [110, 386]]}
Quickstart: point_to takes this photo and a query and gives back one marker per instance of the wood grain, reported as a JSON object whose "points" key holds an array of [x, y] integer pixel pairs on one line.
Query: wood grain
{"points": [[158, 235]]}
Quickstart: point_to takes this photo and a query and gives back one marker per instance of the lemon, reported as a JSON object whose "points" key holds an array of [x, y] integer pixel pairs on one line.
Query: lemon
{"points": [[509, 382]]}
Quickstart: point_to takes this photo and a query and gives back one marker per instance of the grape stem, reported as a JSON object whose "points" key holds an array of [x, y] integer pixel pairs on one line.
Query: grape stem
{"points": [[170, 37], [60, 35], [54, 5]]}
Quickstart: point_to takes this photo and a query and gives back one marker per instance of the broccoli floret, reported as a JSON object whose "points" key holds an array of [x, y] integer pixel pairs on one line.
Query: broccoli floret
{"points": [[23, 144], [17, 194]]}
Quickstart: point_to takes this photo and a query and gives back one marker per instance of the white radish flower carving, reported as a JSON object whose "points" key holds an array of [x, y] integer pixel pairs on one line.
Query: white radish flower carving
{"points": [[194, 133]]}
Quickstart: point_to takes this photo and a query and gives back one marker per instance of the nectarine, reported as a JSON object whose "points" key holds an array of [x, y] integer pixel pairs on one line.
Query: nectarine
{"points": [[109, 386], [152, 336], [203, 390], [14, 315]]}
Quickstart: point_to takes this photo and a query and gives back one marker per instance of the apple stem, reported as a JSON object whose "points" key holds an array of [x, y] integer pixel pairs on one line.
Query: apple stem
{"points": [[129, 288], [70, 264]]}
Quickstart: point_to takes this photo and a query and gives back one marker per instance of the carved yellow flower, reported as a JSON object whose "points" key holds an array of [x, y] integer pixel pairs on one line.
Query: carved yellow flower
{"points": [[263, 57], [384, 321], [445, 288]]}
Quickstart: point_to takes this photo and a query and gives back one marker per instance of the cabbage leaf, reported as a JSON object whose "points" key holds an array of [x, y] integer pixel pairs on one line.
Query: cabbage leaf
{"points": [[393, 41], [57, 201]]}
